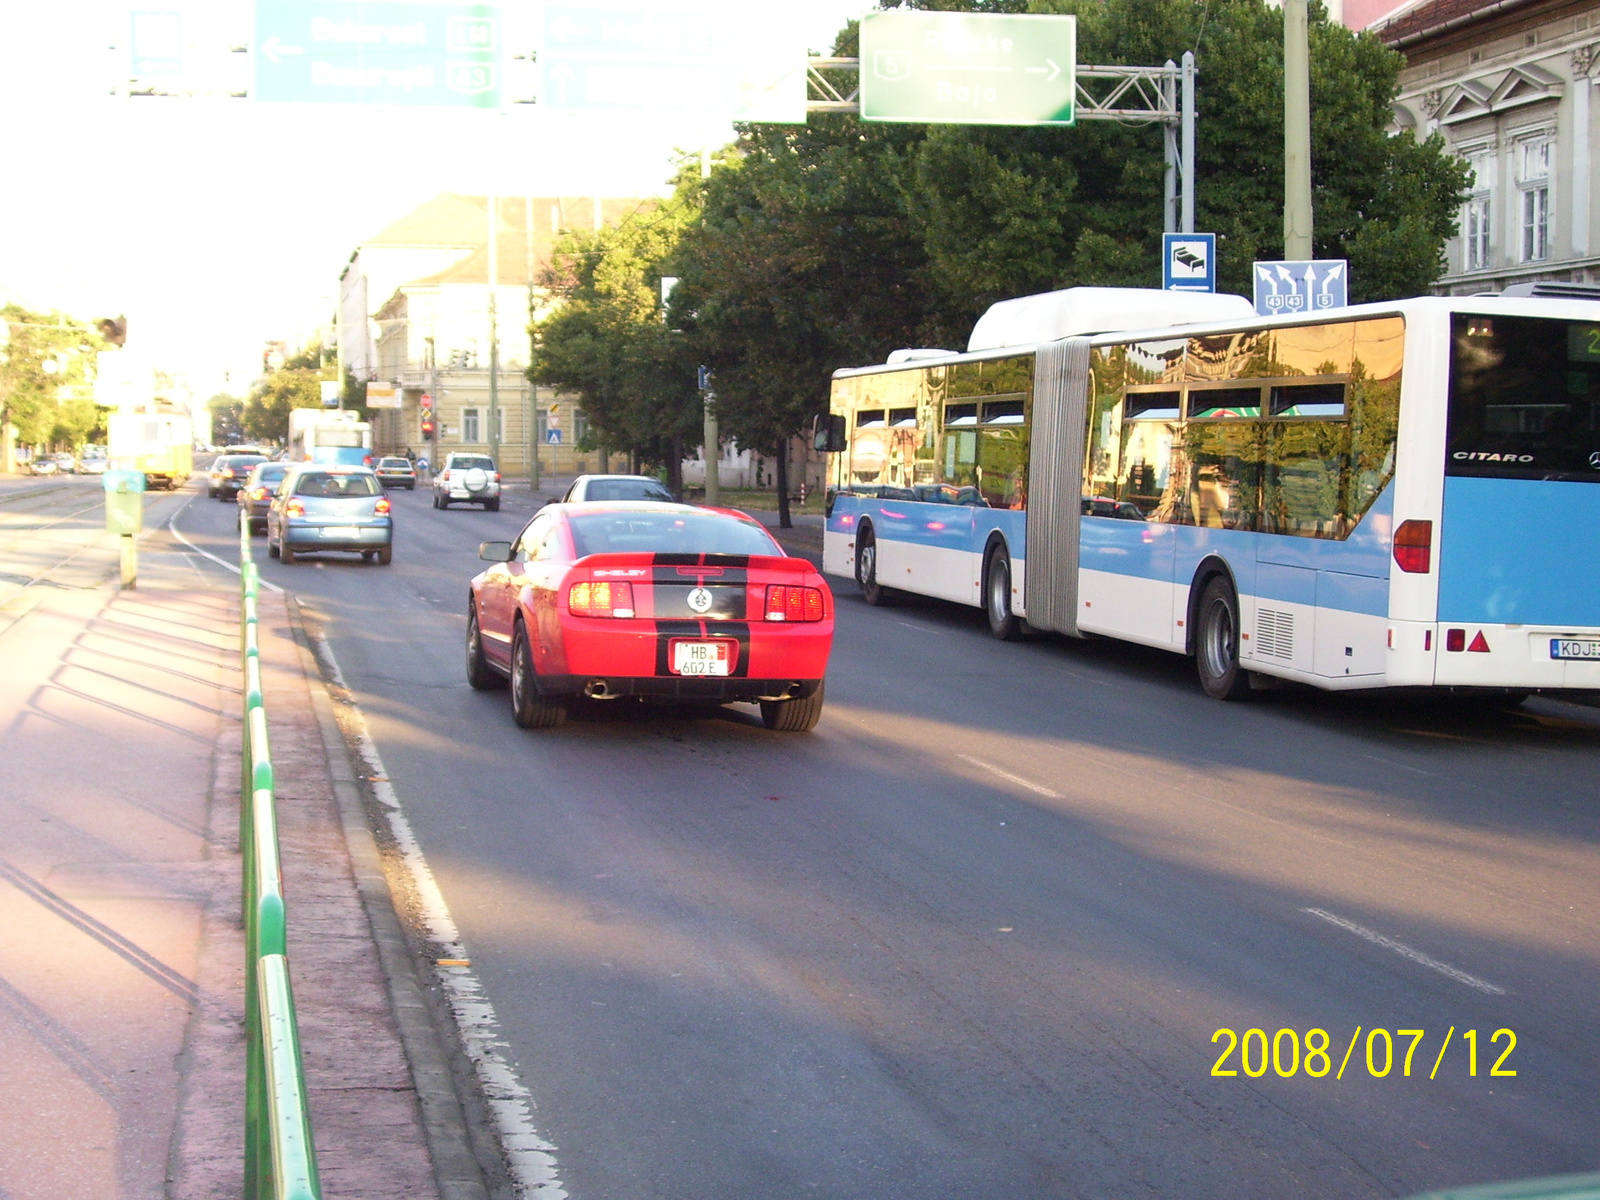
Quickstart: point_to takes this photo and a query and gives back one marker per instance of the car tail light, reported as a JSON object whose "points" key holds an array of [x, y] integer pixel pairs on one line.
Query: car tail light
{"points": [[382, 507], [601, 598], [1413, 547], [258, 493], [497, 476], [787, 603], [444, 476], [294, 509]]}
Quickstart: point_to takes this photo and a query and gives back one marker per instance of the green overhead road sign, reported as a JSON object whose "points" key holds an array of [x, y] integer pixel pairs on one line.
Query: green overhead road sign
{"points": [[378, 52], [955, 68]]}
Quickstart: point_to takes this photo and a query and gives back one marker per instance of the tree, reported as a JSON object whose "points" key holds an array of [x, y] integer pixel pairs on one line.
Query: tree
{"points": [[266, 410], [802, 261], [227, 417], [46, 365], [1003, 212], [608, 344]]}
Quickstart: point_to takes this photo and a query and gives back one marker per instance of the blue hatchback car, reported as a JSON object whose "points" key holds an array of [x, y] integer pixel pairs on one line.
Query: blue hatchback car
{"points": [[321, 507]]}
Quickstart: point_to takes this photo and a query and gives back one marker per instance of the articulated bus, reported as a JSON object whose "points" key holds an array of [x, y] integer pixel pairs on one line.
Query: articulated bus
{"points": [[1389, 495]]}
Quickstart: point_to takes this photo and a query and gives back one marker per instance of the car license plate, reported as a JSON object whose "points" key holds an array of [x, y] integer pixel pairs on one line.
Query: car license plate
{"points": [[1575, 648], [340, 531], [702, 658]]}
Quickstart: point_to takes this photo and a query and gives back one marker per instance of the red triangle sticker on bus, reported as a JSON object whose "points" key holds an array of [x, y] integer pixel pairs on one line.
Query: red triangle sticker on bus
{"points": [[1479, 645]]}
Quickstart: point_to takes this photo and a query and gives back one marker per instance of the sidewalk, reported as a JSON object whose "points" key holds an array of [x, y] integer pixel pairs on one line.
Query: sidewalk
{"points": [[121, 959]]}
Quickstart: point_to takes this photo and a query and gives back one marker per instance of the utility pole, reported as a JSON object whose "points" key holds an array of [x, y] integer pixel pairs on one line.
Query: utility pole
{"points": [[1296, 132], [533, 390], [494, 337], [712, 451]]}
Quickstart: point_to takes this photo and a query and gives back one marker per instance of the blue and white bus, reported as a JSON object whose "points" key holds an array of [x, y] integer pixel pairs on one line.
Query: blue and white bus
{"points": [[1402, 494], [336, 437]]}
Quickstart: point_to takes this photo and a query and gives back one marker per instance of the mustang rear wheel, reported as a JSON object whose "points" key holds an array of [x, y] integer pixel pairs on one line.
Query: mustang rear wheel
{"points": [[480, 674], [528, 708], [793, 716]]}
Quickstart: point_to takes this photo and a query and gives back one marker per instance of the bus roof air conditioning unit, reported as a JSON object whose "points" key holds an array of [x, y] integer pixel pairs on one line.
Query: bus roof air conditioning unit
{"points": [[905, 356], [1551, 289], [1075, 312]]}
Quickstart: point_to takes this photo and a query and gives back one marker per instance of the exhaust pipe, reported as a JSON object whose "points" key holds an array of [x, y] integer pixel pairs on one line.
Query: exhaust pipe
{"points": [[596, 689]]}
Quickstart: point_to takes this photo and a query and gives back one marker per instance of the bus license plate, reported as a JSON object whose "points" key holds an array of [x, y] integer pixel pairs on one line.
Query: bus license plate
{"points": [[1575, 648], [701, 658]]}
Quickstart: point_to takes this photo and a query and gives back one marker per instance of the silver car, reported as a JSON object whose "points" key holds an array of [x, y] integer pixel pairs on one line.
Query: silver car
{"points": [[617, 487], [318, 508], [467, 479]]}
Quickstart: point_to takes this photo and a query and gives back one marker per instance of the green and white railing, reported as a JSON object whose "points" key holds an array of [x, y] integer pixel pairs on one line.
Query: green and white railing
{"points": [[280, 1162]]}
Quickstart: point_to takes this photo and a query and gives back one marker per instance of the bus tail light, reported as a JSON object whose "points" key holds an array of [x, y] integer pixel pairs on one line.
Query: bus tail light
{"points": [[382, 507], [1413, 547], [600, 598], [1455, 640], [787, 603]]}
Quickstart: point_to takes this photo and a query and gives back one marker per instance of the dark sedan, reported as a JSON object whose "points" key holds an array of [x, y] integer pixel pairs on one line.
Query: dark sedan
{"points": [[255, 498]]}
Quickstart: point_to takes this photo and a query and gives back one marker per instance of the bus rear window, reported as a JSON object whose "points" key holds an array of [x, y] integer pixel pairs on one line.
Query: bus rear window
{"points": [[1524, 398]]}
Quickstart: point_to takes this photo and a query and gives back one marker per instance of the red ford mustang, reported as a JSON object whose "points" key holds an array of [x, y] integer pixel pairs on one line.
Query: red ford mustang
{"points": [[633, 598]]}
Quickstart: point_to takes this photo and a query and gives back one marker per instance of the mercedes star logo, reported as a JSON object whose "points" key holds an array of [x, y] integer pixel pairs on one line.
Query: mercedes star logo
{"points": [[1594, 459]]}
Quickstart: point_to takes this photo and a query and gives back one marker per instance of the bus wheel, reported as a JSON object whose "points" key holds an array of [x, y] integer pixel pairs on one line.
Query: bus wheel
{"points": [[1003, 622], [1217, 642], [867, 569]]}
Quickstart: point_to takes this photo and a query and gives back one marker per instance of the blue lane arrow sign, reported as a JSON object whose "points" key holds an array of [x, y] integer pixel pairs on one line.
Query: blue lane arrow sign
{"points": [[1301, 286]]}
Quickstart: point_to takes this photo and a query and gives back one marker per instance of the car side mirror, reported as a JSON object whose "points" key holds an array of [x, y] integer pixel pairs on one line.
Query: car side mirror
{"points": [[494, 551]]}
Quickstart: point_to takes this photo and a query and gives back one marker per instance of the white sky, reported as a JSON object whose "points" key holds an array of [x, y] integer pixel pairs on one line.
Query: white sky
{"points": [[216, 225]]}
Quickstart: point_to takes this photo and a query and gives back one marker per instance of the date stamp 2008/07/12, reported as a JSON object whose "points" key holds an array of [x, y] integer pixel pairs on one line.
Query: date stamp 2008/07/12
{"points": [[1286, 1054]]}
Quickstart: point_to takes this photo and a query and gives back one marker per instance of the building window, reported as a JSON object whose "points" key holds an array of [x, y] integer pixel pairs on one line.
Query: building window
{"points": [[1476, 226], [1533, 181], [469, 425]]}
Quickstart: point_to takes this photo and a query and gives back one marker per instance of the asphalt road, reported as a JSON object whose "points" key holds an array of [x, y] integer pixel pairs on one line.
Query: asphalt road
{"points": [[975, 935]]}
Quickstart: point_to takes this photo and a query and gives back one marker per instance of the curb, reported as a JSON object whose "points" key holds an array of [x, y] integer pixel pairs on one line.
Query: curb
{"points": [[457, 1171]]}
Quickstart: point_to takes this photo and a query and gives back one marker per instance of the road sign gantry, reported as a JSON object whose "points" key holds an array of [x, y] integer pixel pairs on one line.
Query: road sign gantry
{"points": [[1161, 95]]}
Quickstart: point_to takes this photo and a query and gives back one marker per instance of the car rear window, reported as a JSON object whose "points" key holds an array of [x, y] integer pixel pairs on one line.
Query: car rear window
{"points": [[679, 531], [397, 463], [627, 489], [328, 483], [271, 472], [466, 462]]}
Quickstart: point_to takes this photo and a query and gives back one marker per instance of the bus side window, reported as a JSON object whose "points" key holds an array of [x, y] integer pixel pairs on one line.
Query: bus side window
{"points": [[1146, 477]]}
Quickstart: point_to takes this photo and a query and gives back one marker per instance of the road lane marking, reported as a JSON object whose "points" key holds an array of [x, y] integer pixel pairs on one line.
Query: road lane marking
{"points": [[172, 528], [530, 1157], [1405, 951], [1002, 773]]}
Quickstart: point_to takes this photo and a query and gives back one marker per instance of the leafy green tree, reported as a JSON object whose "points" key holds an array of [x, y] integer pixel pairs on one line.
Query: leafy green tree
{"points": [[266, 410], [802, 261], [1005, 212], [46, 377], [608, 344], [227, 417]]}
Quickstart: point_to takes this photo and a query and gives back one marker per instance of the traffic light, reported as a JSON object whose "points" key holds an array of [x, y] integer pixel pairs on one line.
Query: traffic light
{"points": [[427, 425], [425, 404], [114, 330]]}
